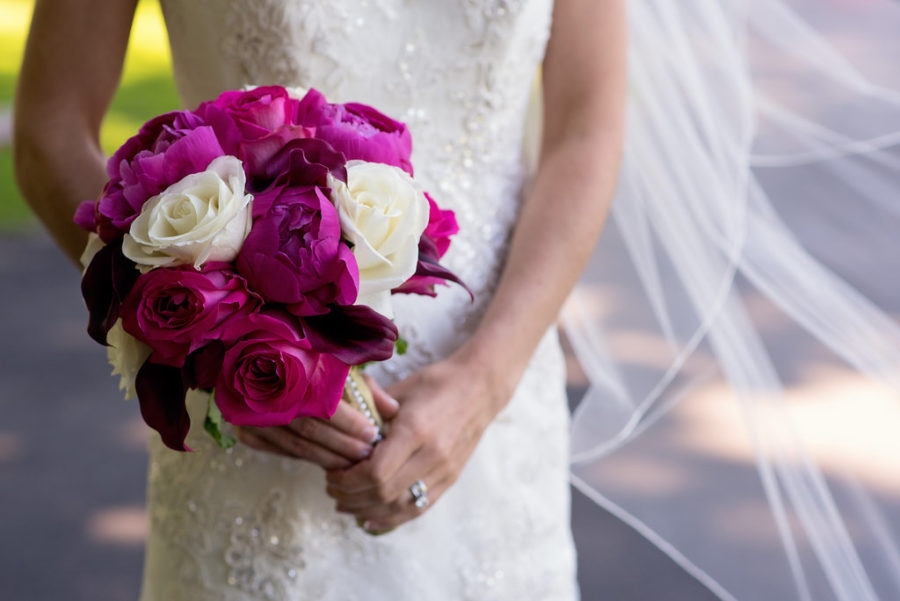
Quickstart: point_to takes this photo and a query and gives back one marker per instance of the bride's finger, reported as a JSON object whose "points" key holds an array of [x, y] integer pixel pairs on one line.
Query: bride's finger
{"points": [[325, 435], [404, 508], [248, 437], [289, 443], [353, 423], [425, 465], [386, 459], [386, 492]]}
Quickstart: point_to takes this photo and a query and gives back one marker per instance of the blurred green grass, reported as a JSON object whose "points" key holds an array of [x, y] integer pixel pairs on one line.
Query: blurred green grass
{"points": [[146, 89]]}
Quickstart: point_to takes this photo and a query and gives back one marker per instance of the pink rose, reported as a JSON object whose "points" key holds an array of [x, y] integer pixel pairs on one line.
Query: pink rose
{"points": [[254, 124], [270, 376], [295, 255], [357, 130], [176, 311], [165, 150]]}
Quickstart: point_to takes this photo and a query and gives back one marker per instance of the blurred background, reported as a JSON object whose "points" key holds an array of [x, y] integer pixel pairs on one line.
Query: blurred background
{"points": [[72, 453]]}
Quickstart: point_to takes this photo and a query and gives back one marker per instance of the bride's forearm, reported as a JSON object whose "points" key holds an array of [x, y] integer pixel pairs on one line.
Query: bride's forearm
{"points": [[70, 71], [54, 178], [584, 77], [560, 222]]}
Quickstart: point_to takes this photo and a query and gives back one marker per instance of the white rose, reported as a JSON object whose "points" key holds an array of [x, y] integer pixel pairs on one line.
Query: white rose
{"points": [[126, 354], [204, 217], [383, 213]]}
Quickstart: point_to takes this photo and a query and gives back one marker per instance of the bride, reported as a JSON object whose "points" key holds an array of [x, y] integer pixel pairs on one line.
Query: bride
{"points": [[480, 419], [473, 476]]}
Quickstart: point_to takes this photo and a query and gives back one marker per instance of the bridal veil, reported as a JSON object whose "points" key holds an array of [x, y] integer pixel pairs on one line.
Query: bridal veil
{"points": [[754, 243]]}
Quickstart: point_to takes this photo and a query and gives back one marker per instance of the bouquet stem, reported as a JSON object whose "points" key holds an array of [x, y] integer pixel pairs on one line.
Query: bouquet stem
{"points": [[358, 394]]}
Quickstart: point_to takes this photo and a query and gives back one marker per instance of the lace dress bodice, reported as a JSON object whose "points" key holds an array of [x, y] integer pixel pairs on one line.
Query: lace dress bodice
{"points": [[243, 525], [458, 72]]}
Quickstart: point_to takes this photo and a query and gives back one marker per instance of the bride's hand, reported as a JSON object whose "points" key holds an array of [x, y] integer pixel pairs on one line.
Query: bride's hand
{"points": [[333, 444], [445, 408]]}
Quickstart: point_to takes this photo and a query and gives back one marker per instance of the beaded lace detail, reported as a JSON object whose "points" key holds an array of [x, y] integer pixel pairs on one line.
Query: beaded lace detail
{"points": [[243, 525]]}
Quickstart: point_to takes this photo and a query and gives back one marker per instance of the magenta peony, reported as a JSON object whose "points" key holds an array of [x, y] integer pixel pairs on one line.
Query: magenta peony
{"points": [[294, 254], [166, 149], [357, 130], [303, 163]]}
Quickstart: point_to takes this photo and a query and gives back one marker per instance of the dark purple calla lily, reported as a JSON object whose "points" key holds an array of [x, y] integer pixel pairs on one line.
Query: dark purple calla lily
{"points": [[429, 272], [161, 392], [355, 334], [202, 367], [106, 282]]}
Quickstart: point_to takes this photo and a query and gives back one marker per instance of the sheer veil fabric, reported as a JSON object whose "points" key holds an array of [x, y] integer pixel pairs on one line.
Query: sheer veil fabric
{"points": [[754, 243]]}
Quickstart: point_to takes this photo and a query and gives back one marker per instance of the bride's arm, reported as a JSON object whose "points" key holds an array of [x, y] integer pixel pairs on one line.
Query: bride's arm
{"points": [[71, 68], [446, 407]]}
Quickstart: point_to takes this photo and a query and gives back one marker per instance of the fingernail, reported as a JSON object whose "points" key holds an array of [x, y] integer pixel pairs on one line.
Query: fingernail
{"points": [[371, 525], [371, 434], [364, 452], [393, 403]]}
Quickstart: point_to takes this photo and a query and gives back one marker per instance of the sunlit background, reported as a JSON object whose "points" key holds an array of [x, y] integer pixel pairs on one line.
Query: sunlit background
{"points": [[72, 454], [146, 89]]}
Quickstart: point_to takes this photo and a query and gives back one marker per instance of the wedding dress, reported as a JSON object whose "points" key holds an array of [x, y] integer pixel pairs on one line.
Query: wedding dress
{"points": [[242, 525]]}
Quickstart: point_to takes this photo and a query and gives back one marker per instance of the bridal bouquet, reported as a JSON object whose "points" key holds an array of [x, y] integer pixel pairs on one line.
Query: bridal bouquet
{"points": [[250, 248]]}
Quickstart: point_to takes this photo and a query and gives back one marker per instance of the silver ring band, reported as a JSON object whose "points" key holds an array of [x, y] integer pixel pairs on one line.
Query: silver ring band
{"points": [[420, 494]]}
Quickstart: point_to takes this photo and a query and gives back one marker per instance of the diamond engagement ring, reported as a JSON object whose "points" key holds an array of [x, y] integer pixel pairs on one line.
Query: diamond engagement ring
{"points": [[420, 494]]}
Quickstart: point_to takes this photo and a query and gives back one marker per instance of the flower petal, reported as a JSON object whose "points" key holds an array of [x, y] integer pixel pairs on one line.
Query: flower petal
{"points": [[161, 393], [106, 283], [354, 334]]}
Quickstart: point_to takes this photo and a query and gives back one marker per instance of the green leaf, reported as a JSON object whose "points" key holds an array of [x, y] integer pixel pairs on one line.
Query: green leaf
{"points": [[214, 424], [401, 345]]}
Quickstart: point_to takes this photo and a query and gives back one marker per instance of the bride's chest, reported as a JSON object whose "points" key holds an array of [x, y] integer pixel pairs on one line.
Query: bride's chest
{"points": [[394, 46]]}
